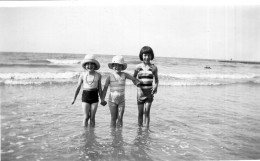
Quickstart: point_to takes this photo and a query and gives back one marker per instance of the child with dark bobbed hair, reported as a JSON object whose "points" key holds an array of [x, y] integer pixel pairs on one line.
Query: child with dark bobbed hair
{"points": [[146, 50], [146, 72]]}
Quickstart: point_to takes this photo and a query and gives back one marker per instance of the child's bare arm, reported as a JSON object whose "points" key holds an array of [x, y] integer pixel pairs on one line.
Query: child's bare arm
{"points": [[78, 88], [134, 79], [104, 92], [103, 102], [156, 79], [135, 74], [100, 86]]}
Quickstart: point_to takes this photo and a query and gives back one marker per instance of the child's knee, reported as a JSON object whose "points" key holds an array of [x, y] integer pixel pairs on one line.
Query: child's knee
{"points": [[86, 116], [146, 113], [113, 117]]}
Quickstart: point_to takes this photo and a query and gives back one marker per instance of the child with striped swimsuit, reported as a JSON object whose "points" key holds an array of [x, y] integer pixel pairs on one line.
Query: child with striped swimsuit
{"points": [[116, 81], [146, 73]]}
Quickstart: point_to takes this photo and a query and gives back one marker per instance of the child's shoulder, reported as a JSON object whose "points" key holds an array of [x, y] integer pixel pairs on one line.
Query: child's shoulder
{"points": [[97, 73], [154, 66], [138, 66], [82, 74], [109, 76]]}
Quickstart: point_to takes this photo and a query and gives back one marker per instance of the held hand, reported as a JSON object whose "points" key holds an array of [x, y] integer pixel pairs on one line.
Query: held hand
{"points": [[103, 102], [137, 83]]}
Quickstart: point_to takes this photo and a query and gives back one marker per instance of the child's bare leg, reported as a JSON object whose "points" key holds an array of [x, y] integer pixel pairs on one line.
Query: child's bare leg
{"points": [[86, 110], [93, 114], [140, 114], [147, 113], [114, 113], [145, 109], [121, 109]]}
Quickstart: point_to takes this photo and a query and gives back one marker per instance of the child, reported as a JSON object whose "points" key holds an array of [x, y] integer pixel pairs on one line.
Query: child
{"points": [[146, 72], [116, 80], [91, 81]]}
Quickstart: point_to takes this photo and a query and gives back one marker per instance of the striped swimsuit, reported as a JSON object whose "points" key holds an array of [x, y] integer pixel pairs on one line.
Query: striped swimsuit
{"points": [[144, 92], [117, 89]]}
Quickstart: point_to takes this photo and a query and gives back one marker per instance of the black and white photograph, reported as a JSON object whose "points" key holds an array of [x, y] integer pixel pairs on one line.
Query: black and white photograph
{"points": [[130, 81]]}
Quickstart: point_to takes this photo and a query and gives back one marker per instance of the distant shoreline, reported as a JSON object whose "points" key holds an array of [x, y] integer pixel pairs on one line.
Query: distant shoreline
{"points": [[236, 61]]}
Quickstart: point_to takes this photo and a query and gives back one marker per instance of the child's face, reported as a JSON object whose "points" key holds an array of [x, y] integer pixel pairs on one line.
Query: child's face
{"points": [[90, 66], [117, 67], [147, 58]]}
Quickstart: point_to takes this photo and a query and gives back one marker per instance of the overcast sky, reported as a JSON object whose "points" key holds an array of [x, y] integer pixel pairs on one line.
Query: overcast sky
{"points": [[190, 31]]}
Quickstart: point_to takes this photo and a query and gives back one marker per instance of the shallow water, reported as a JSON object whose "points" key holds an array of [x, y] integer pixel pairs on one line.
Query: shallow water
{"points": [[187, 123]]}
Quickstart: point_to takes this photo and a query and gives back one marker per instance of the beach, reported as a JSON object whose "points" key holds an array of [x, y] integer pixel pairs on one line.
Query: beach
{"points": [[197, 114]]}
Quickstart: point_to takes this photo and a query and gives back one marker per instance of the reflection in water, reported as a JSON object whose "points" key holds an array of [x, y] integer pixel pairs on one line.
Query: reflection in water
{"points": [[94, 150], [114, 147], [89, 149], [118, 151], [141, 145]]}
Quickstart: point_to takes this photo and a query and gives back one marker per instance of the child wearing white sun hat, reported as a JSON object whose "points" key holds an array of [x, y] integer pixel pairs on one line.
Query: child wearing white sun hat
{"points": [[116, 81], [90, 80]]}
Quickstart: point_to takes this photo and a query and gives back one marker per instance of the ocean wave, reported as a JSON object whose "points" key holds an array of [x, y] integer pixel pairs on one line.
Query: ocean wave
{"points": [[42, 65], [68, 75], [47, 75], [36, 82], [128, 82], [40, 61], [67, 62], [210, 76], [228, 65], [165, 79]]}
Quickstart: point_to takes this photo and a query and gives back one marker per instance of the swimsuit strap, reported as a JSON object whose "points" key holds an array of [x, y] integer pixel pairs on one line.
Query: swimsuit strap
{"points": [[122, 77], [117, 85], [142, 67]]}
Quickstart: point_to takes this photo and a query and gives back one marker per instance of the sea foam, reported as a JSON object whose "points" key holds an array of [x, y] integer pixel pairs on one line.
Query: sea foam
{"points": [[210, 76], [47, 75], [56, 61]]}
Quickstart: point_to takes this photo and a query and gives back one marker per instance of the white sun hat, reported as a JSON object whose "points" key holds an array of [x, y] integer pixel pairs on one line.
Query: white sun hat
{"points": [[89, 58], [118, 59]]}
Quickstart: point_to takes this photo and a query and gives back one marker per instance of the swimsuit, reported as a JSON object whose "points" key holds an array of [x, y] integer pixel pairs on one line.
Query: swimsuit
{"points": [[144, 91], [90, 83], [90, 88], [90, 96], [117, 89]]}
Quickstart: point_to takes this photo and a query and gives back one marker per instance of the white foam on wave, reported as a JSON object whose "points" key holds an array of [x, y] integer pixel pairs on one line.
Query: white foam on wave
{"points": [[56, 61], [128, 83], [256, 81], [165, 79], [34, 82], [68, 75], [210, 76], [186, 83], [47, 75]]}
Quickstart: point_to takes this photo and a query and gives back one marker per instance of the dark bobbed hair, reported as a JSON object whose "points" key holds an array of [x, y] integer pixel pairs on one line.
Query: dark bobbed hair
{"points": [[146, 50]]}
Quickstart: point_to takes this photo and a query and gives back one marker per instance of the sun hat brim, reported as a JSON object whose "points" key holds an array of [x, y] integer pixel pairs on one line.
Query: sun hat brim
{"points": [[110, 65], [90, 61]]}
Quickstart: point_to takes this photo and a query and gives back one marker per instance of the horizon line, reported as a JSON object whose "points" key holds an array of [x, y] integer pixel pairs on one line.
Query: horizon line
{"points": [[218, 60]]}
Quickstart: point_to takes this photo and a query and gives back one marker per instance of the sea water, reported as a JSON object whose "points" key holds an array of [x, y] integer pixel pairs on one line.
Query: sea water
{"points": [[197, 114]]}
